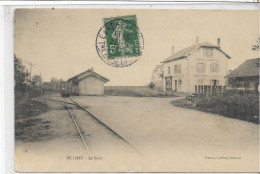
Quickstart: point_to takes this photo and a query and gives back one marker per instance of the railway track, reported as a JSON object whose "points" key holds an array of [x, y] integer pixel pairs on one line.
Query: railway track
{"points": [[78, 129], [63, 102], [98, 121], [105, 125]]}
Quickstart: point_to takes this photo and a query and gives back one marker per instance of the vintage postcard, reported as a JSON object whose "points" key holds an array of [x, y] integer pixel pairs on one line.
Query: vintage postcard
{"points": [[136, 90]]}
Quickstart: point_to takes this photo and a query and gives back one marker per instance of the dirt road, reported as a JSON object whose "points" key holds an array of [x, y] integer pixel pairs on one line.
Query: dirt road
{"points": [[169, 138], [179, 139]]}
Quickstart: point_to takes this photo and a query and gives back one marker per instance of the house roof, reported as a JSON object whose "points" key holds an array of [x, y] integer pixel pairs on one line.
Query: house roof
{"points": [[85, 74], [187, 51], [249, 68]]}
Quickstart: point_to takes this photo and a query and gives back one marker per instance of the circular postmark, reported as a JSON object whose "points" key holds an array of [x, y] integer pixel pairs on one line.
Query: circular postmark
{"points": [[119, 43]]}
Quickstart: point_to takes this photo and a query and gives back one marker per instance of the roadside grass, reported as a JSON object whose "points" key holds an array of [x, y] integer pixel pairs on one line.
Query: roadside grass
{"points": [[184, 103], [242, 106], [135, 91], [29, 108], [26, 112]]}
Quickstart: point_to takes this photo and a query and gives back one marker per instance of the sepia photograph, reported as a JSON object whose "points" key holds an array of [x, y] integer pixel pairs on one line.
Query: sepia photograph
{"points": [[136, 90]]}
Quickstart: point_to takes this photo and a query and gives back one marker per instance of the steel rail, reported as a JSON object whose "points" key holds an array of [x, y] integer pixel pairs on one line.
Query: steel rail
{"points": [[81, 136], [59, 101], [65, 103], [110, 129]]}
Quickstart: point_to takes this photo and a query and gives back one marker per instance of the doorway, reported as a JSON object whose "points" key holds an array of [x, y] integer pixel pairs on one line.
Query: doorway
{"points": [[214, 83]]}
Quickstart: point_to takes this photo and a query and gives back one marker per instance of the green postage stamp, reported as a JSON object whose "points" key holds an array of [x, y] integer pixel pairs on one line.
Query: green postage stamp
{"points": [[122, 36], [119, 42]]}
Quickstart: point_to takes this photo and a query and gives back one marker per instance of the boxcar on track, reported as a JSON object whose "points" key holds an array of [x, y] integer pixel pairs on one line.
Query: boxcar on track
{"points": [[68, 88]]}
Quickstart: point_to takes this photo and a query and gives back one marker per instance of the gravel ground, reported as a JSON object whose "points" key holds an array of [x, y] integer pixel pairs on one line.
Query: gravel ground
{"points": [[178, 139], [101, 141], [62, 150], [171, 139]]}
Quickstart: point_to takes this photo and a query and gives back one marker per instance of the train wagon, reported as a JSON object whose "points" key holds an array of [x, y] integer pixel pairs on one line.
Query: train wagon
{"points": [[65, 89], [68, 88]]}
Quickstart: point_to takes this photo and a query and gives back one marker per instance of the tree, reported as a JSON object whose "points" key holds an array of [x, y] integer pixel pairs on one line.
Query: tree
{"points": [[21, 76], [256, 46], [157, 73], [36, 80], [151, 85], [55, 84]]}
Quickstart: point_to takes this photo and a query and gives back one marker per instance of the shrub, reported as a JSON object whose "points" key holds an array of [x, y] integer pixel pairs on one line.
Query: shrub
{"points": [[151, 85], [243, 106]]}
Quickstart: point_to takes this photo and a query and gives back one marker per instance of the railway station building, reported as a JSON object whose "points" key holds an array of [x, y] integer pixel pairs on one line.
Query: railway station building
{"points": [[195, 69], [89, 83]]}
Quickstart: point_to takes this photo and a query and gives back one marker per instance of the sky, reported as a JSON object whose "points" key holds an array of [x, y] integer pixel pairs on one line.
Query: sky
{"points": [[61, 42]]}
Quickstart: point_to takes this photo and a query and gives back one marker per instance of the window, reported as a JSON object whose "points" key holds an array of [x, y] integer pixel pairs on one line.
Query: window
{"points": [[214, 82], [168, 83], [169, 70], [214, 68], [200, 68], [179, 84], [177, 69], [208, 52]]}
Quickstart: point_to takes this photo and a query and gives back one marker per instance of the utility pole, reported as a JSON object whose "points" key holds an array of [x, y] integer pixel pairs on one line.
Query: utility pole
{"points": [[30, 63], [41, 82]]}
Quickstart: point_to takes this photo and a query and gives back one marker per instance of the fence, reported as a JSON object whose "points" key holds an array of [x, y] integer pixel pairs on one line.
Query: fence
{"points": [[242, 89], [207, 89]]}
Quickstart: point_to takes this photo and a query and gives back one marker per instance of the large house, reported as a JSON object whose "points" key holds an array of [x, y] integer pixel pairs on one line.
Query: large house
{"points": [[88, 83], [245, 76], [194, 68]]}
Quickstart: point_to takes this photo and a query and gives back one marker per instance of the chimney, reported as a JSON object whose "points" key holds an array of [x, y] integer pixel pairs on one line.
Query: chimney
{"points": [[197, 40], [172, 50], [218, 42], [91, 69]]}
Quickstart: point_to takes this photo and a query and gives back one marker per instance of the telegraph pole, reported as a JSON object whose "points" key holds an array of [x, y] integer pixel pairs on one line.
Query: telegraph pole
{"points": [[31, 71], [41, 82]]}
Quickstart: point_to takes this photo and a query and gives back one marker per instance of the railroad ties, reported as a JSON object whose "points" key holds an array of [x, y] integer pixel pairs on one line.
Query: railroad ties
{"points": [[74, 103]]}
